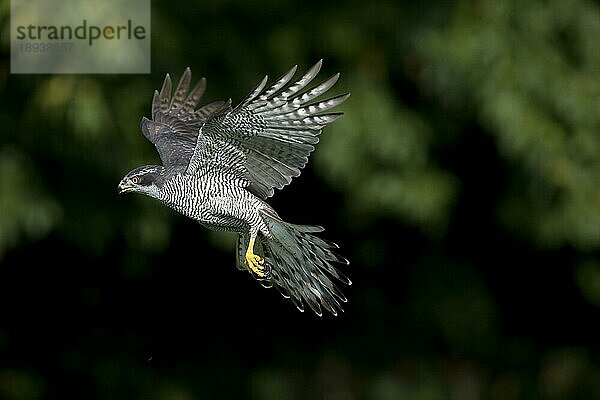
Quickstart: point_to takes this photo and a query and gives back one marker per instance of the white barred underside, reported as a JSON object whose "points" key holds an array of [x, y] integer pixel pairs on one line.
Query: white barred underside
{"points": [[216, 201]]}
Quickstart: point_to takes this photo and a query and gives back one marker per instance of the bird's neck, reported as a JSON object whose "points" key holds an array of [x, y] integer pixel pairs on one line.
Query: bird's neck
{"points": [[152, 191]]}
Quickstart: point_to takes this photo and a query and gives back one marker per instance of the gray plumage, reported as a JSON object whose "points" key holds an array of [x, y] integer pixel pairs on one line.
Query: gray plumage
{"points": [[220, 163]]}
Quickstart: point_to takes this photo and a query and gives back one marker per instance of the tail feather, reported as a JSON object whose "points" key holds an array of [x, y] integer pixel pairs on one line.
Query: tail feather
{"points": [[300, 265]]}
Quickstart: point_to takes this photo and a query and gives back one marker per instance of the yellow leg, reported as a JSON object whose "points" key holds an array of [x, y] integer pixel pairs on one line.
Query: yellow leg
{"points": [[254, 262]]}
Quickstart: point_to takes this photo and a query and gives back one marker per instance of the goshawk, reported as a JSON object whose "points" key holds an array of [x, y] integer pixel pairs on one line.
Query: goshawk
{"points": [[220, 163]]}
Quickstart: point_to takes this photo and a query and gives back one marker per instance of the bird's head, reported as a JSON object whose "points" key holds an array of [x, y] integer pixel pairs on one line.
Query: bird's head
{"points": [[142, 180]]}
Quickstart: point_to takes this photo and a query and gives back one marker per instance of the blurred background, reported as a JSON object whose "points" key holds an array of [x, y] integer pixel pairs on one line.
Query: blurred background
{"points": [[463, 183]]}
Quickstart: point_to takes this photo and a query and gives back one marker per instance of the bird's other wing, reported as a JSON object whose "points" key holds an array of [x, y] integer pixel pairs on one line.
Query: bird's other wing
{"points": [[176, 121], [268, 137]]}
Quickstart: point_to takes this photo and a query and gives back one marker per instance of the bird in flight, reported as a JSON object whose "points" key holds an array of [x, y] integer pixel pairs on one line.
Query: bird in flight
{"points": [[220, 163]]}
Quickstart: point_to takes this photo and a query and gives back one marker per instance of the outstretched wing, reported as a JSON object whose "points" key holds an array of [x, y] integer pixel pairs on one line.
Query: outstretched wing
{"points": [[266, 139], [176, 121]]}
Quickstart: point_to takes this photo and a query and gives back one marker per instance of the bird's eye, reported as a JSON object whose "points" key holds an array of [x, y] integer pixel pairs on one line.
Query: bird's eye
{"points": [[135, 180]]}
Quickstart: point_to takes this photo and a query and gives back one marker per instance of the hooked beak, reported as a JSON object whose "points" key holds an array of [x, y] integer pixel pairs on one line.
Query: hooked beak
{"points": [[124, 187]]}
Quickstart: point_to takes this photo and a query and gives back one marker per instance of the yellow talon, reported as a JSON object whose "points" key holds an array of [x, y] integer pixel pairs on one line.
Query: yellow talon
{"points": [[254, 263]]}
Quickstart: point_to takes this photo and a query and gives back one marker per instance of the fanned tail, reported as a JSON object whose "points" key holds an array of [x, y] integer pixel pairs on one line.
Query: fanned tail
{"points": [[299, 264]]}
